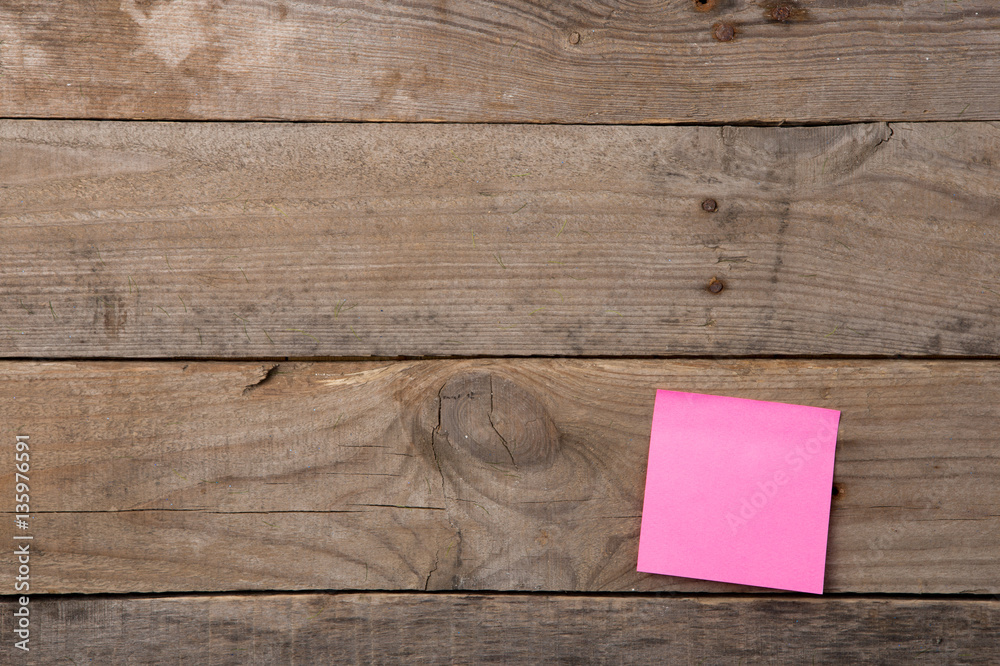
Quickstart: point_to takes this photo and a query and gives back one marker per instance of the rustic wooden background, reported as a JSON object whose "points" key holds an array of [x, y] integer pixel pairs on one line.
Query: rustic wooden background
{"points": [[335, 326]]}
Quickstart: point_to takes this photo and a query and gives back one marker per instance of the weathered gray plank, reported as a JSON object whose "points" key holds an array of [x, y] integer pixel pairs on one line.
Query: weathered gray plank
{"points": [[502, 61], [250, 240], [476, 475], [473, 629]]}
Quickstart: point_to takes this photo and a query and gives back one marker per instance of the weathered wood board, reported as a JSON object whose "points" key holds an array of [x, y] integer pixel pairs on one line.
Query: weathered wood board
{"points": [[129, 240], [270, 371], [461, 628], [474, 474], [502, 61]]}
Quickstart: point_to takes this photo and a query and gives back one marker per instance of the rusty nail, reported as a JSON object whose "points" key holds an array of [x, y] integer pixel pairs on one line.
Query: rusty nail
{"points": [[709, 205], [723, 32], [781, 13], [574, 38], [715, 285], [704, 5]]}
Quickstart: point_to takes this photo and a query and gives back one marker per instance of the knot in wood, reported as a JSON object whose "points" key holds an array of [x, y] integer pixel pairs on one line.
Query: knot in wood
{"points": [[492, 419]]}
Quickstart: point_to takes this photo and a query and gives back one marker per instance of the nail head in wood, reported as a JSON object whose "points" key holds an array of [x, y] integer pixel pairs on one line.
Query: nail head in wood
{"points": [[781, 13], [724, 32]]}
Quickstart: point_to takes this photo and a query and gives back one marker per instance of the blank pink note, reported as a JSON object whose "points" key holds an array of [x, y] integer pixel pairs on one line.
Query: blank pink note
{"points": [[738, 491]]}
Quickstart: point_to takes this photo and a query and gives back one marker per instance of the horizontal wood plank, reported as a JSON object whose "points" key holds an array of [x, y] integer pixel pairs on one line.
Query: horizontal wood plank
{"points": [[460, 628], [587, 61], [210, 240], [473, 474]]}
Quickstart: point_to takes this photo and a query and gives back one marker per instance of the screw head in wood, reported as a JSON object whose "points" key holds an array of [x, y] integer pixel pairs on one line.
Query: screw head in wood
{"points": [[574, 38], [709, 205], [715, 285], [724, 32]]}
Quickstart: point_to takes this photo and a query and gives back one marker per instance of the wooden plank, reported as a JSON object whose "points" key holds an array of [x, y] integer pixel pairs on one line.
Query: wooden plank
{"points": [[475, 475], [503, 61], [262, 240], [462, 628]]}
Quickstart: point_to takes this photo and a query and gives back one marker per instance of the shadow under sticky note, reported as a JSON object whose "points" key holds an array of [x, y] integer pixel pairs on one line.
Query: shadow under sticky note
{"points": [[738, 491]]}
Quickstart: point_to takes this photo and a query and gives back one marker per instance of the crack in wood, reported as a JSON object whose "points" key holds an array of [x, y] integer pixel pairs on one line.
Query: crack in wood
{"points": [[268, 375], [503, 440], [434, 434]]}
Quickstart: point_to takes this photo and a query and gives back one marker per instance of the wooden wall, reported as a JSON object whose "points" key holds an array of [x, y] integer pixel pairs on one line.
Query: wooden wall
{"points": [[335, 326]]}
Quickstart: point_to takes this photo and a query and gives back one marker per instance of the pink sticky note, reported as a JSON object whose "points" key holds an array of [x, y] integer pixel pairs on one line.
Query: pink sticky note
{"points": [[738, 491]]}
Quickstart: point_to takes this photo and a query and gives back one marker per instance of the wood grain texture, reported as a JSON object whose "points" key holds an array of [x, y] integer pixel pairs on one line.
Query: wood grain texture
{"points": [[485, 629], [262, 240], [466, 475], [587, 61]]}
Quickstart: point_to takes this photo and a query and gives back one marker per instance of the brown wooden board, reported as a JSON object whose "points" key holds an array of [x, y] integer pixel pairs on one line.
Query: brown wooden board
{"points": [[509, 61], [460, 628], [299, 240], [472, 475]]}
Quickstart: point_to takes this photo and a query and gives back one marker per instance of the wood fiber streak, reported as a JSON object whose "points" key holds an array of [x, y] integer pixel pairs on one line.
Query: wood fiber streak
{"points": [[466, 475]]}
